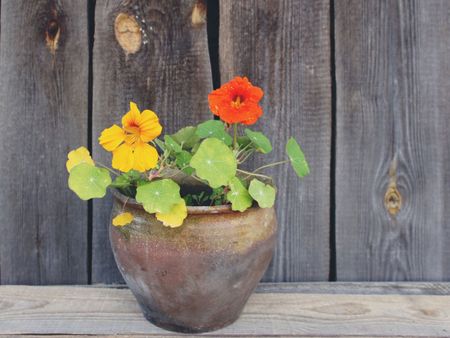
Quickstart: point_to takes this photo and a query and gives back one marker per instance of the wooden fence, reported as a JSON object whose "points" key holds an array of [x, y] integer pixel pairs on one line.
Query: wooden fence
{"points": [[363, 84]]}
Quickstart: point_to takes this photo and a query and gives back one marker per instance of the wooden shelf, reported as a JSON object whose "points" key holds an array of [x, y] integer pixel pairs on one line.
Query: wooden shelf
{"points": [[290, 309]]}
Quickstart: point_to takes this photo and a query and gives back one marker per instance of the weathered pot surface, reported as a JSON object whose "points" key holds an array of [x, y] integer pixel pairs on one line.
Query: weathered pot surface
{"points": [[199, 276]]}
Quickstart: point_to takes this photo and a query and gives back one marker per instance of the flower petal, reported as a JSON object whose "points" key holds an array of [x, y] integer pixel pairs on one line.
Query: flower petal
{"points": [[145, 157], [123, 158], [149, 126], [75, 157], [237, 101], [122, 219], [175, 217], [112, 137], [130, 119]]}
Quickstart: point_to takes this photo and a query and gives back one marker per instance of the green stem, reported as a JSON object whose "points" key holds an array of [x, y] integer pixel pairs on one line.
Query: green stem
{"points": [[235, 130], [107, 168], [270, 165], [253, 174]]}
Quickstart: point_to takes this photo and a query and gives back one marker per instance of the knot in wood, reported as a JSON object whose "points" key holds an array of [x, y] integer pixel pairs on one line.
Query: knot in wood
{"points": [[128, 33], [52, 34], [198, 16], [393, 199]]}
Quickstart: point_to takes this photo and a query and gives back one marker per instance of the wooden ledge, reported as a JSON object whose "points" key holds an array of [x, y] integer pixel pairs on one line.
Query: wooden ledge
{"points": [[290, 309]]}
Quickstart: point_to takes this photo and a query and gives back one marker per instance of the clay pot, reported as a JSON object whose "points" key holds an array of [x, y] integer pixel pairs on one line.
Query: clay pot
{"points": [[197, 277]]}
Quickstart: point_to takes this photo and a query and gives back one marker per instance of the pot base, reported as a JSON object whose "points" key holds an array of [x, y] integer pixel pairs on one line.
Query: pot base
{"points": [[184, 329]]}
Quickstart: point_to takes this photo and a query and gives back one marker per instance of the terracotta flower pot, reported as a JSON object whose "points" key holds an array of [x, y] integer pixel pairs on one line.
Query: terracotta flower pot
{"points": [[199, 276]]}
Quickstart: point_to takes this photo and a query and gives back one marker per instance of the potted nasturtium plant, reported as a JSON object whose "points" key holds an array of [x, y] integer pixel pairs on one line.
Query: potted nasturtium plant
{"points": [[191, 231]]}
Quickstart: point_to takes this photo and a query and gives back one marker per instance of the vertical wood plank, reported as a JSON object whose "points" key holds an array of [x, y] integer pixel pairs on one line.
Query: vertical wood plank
{"points": [[43, 114], [163, 65], [284, 47], [393, 122]]}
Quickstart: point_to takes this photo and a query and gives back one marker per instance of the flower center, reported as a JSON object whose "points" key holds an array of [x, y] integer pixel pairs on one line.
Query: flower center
{"points": [[237, 101], [133, 128]]}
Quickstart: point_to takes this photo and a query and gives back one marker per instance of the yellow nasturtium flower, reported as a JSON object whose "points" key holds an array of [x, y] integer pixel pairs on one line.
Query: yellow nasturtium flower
{"points": [[122, 219], [78, 156], [129, 144], [175, 217]]}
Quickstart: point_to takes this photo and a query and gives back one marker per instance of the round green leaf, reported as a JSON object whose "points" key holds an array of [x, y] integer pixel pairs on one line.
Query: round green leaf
{"points": [[261, 142], [238, 196], [88, 181], [262, 193], [186, 137], [158, 196], [214, 162], [243, 141], [215, 129], [182, 161], [171, 144], [297, 158]]}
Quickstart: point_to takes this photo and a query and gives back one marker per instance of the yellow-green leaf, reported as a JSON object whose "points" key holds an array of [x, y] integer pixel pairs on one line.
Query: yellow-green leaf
{"points": [[262, 193], [297, 158], [238, 196], [175, 217], [77, 156], [214, 162], [122, 219], [88, 181], [158, 196]]}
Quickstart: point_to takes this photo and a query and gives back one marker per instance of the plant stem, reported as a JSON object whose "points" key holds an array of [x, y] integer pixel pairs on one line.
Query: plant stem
{"points": [[270, 165], [253, 174], [107, 168], [235, 127]]}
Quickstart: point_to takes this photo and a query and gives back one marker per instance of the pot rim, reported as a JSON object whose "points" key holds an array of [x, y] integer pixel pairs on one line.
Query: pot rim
{"points": [[191, 210]]}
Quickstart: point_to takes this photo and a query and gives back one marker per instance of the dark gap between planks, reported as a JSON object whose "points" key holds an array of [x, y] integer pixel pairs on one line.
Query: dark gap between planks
{"points": [[333, 274], [91, 30]]}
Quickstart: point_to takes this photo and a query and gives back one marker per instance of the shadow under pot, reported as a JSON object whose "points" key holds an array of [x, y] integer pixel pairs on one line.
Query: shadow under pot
{"points": [[197, 277]]}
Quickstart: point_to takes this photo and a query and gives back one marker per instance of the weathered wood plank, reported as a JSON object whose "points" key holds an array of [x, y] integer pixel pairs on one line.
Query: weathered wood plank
{"points": [[283, 47], [393, 160], [88, 310], [169, 72], [43, 114], [373, 288]]}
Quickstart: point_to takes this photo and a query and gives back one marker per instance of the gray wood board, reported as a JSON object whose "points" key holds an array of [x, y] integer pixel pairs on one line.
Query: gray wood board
{"points": [[283, 47], [163, 66], [393, 122], [109, 311], [43, 114]]}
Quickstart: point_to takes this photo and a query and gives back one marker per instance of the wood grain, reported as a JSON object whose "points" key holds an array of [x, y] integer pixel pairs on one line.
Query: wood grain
{"points": [[109, 311], [393, 160], [165, 69], [43, 114], [283, 47]]}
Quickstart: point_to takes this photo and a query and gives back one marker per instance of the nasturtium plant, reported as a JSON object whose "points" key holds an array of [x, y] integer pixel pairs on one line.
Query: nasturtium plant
{"points": [[176, 215], [215, 129], [214, 162], [186, 137], [159, 196], [262, 193], [78, 156], [261, 142], [122, 219], [183, 160], [198, 165], [297, 158], [238, 196], [88, 181], [171, 144]]}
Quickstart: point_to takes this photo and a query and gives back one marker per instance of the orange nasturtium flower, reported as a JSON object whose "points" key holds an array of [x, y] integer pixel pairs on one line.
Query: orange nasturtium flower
{"points": [[237, 101], [129, 144]]}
